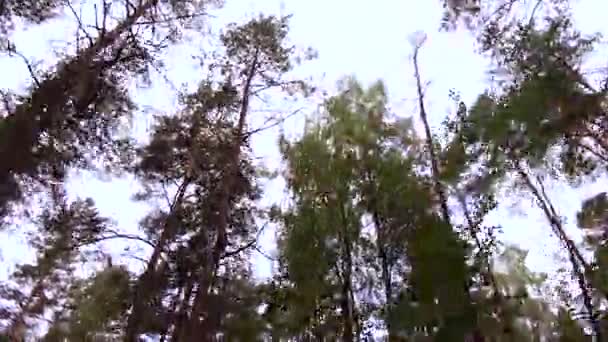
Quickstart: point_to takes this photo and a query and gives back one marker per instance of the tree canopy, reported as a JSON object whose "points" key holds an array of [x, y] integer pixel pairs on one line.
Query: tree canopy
{"points": [[384, 232]]}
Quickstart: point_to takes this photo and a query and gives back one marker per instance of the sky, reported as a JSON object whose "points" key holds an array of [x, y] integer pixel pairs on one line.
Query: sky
{"points": [[361, 38]]}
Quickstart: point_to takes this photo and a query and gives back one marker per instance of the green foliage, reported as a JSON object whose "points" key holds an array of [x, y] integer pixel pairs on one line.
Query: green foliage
{"points": [[437, 283], [546, 104], [350, 164], [592, 219]]}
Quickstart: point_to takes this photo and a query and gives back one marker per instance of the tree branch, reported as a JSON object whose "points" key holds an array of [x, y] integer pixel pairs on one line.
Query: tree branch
{"points": [[13, 50], [274, 124]]}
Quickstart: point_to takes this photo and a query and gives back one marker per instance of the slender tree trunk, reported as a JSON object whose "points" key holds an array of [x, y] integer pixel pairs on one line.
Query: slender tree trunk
{"points": [[173, 311], [383, 253], [182, 315], [576, 258], [439, 190], [438, 187], [385, 265]]}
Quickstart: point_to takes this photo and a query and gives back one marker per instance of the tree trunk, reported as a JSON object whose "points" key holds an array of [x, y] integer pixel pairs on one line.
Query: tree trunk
{"points": [[438, 187], [347, 302], [439, 190], [385, 265], [196, 326], [576, 258], [143, 289]]}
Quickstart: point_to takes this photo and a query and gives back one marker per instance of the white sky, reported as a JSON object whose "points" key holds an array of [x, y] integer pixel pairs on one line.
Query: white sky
{"points": [[369, 40]]}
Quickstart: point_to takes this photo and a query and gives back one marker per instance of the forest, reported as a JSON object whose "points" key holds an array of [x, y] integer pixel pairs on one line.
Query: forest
{"points": [[383, 231]]}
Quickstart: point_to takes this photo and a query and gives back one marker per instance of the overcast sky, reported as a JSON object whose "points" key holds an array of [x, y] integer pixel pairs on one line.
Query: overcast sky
{"points": [[362, 38]]}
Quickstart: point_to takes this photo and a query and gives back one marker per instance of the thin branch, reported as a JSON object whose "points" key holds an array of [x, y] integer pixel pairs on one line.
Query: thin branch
{"points": [[250, 244], [166, 194], [274, 124], [12, 50], [259, 88], [81, 26], [174, 18], [133, 256], [117, 235], [264, 254], [536, 7], [239, 250], [114, 235], [106, 13]]}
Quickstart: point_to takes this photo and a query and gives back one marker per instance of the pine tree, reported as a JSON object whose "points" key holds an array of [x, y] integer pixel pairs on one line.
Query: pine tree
{"points": [[210, 221]]}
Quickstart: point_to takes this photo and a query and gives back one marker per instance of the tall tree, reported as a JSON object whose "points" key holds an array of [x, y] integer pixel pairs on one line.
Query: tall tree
{"points": [[257, 58], [204, 150]]}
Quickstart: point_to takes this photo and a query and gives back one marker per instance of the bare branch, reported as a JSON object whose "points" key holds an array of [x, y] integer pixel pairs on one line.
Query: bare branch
{"points": [[174, 18], [264, 254], [536, 7], [12, 50], [114, 235], [81, 26], [274, 124]]}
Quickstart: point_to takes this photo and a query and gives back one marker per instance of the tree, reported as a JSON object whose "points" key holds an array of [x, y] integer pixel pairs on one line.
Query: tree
{"points": [[350, 166], [204, 150], [530, 126], [97, 308]]}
